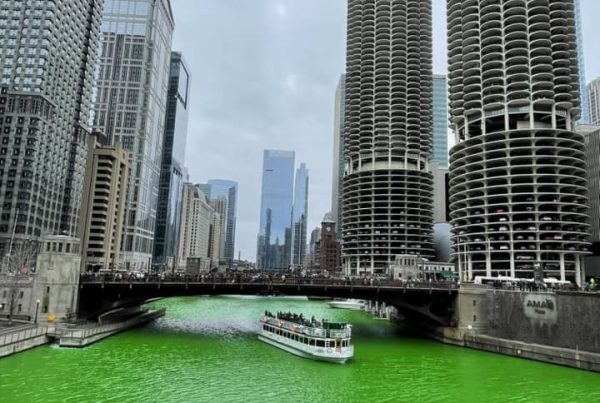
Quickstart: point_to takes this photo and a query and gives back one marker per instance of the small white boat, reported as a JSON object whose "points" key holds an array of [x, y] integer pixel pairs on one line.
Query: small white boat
{"points": [[353, 304], [322, 341]]}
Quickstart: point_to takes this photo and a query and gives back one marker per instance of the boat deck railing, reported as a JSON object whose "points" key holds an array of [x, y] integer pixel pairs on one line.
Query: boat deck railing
{"points": [[309, 331]]}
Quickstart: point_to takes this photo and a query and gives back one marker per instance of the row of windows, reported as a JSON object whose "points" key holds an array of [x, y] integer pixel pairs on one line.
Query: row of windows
{"points": [[303, 339]]}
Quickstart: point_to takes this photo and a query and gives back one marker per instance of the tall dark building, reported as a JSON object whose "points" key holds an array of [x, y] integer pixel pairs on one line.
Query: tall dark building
{"points": [[387, 185], [48, 58], [518, 186], [275, 232], [172, 172]]}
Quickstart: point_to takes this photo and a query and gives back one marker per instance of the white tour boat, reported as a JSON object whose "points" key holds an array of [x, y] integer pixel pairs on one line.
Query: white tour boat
{"points": [[353, 304], [323, 341]]}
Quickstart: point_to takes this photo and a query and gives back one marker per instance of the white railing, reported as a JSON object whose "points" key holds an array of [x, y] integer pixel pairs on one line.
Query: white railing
{"points": [[18, 336]]}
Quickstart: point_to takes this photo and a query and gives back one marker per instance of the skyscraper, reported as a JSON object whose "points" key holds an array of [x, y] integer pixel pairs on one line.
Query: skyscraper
{"points": [[275, 232], [387, 196], [440, 121], [196, 219], [338, 154], [593, 106], [229, 190], [517, 173], [300, 216], [168, 214], [583, 93], [133, 83], [219, 206], [48, 53]]}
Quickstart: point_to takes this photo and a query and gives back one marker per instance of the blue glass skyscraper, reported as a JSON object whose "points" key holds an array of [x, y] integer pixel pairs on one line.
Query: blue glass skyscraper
{"points": [[300, 216], [172, 173], [440, 121], [275, 232], [228, 190]]}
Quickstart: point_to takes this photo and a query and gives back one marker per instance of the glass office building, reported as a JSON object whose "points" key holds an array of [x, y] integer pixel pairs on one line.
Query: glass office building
{"points": [[300, 216], [275, 232], [133, 82], [228, 190], [440, 121], [170, 191]]}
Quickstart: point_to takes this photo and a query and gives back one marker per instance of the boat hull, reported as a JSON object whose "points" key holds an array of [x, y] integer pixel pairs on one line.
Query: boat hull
{"points": [[337, 359]]}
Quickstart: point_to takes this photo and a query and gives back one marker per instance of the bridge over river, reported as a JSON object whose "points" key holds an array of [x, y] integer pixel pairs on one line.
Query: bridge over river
{"points": [[432, 299]]}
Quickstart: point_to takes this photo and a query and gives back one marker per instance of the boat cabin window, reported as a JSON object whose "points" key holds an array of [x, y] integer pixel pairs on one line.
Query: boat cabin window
{"points": [[320, 343]]}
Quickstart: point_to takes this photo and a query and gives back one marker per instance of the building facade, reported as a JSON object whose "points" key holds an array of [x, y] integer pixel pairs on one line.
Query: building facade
{"points": [[172, 172], [277, 196], [48, 56], [593, 105], [330, 250], [219, 206], [387, 186], [517, 173], [440, 121], [583, 92], [103, 204], [196, 218], [442, 239], [215, 238], [300, 216], [338, 154], [130, 107], [228, 190]]}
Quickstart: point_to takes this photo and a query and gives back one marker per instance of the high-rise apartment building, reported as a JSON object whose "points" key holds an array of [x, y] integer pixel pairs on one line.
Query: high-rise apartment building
{"points": [[166, 237], [196, 219], [133, 83], [517, 173], [583, 93], [440, 121], [214, 240], [47, 65], [228, 190], [593, 105], [338, 154], [387, 195], [277, 196], [219, 206], [103, 204], [300, 216]]}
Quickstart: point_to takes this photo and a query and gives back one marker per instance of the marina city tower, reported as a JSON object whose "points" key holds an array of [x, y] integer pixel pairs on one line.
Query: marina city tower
{"points": [[387, 184], [517, 172]]}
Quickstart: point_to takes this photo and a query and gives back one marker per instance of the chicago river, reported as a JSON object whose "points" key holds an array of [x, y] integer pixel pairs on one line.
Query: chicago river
{"points": [[206, 349]]}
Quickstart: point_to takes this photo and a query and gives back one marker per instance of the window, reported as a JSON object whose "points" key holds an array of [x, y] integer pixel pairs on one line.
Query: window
{"points": [[20, 294], [474, 303], [320, 343], [474, 318], [19, 308]]}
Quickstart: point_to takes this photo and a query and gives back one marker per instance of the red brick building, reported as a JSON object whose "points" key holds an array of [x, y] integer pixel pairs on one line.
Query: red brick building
{"points": [[330, 256]]}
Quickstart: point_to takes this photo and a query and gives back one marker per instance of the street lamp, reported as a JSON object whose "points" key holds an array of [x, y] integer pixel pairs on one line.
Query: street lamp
{"points": [[37, 308]]}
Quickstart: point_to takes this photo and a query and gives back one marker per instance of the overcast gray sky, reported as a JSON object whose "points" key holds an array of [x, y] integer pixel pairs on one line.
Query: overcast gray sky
{"points": [[264, 74]]}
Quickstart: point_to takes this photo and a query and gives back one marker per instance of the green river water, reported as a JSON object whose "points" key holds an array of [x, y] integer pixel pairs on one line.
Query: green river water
{"points": [[206, 350]]}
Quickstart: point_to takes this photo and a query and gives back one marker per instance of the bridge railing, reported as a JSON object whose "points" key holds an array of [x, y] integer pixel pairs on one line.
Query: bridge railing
{"points": [[267, 280]]}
